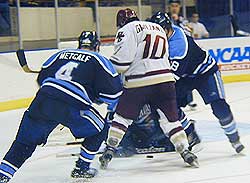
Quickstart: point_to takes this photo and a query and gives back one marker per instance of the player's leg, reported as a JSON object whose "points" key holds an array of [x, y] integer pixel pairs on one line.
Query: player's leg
{"points": [[164, 98], [144, 133], [184, 86], [117, 131], [89, 149], [127, 146], [33, 131], [190, 100], [129, 106], [90, 125], [212, 91], [189, 128]]}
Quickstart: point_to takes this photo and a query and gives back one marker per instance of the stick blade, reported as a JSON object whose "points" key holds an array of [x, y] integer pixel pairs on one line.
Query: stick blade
{"points": [[21, 57], [23, 61]]}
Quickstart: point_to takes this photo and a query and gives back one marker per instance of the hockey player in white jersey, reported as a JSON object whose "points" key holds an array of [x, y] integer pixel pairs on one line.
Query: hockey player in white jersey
{"points": [[141, 51]]}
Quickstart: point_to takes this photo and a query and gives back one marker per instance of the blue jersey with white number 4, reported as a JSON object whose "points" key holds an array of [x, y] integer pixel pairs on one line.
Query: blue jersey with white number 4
{"points": [[80, 77], [186, 57]]}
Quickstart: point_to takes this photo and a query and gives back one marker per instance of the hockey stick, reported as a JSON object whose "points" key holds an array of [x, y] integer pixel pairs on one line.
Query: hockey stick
{"points": [[73, 143], [55, 144], [67, 155], [23, 61]]}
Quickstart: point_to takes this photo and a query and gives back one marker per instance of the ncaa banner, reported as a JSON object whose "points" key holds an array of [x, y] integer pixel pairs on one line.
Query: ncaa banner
{"points": [[231, 54]]}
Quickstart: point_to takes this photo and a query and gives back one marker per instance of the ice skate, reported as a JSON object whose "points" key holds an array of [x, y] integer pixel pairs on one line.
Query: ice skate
{"points": [[106, 157], [83, 173], [238, 146], [190, 158], [194, 142], [4, 179]]}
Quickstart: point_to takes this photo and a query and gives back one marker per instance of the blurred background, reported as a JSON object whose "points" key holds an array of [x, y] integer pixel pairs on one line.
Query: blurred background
{"points": [[43, 24]]}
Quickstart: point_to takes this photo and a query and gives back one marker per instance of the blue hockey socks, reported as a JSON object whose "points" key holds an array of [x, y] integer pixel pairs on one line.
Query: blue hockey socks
{"points": [[223, 112], [14, 159], [7, 171]]}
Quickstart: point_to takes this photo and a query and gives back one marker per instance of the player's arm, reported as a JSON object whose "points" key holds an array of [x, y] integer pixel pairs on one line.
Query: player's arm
{"points": [[205, 33], [124, 49], [111, 93], [43, 73], [108, 87]]}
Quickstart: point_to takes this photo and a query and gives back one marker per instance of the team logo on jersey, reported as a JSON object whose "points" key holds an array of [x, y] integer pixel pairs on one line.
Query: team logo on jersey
{"points": [[119, 36]]}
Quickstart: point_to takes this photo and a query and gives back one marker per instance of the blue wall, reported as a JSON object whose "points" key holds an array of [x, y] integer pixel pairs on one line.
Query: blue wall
{"points": [[215, 15]]}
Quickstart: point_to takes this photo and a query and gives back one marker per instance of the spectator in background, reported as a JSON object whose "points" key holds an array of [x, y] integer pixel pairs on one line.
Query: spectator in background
{"points": [[198, 29], [4, 18], [91, 4], [175, 16], [174, 12]]}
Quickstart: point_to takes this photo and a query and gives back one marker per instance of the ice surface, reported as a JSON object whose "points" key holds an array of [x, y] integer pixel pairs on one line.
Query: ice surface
{"points": [[218, 161]]}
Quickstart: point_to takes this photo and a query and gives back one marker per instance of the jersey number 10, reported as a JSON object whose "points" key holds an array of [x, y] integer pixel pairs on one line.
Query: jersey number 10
{"points": [[156, 47]]}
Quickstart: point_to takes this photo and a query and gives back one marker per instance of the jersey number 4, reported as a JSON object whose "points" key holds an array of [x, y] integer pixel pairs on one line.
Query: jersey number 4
{"points": [[158, 50], [65, 72]]}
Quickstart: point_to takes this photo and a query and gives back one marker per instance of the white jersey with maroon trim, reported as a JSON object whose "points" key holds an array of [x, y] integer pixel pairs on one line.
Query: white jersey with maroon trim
{"points": [[141, 54]]}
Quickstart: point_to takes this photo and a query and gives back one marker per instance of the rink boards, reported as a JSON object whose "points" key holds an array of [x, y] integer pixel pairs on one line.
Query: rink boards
{"points": [[18, 88], [218, 162]]}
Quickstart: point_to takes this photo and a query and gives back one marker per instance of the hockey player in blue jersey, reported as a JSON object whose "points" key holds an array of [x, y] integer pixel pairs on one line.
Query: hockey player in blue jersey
{"points": [[194, 68], [70, 82]]}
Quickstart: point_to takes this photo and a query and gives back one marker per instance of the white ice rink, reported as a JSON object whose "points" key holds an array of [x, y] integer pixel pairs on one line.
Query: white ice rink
{"points": [[218, 161]]}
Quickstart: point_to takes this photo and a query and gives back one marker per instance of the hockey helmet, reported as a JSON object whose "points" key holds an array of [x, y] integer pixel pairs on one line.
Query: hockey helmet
{"points": [[125, 16], [162, 19], [88, 39]]}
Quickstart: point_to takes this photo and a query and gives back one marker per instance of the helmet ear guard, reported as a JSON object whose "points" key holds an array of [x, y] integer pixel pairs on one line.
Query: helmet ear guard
{"points": [[125, 16], [89, 39]]}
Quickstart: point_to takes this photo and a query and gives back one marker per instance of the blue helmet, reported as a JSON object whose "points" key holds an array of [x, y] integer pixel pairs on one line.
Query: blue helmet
{"points": [[88, 39], [162, 19]]}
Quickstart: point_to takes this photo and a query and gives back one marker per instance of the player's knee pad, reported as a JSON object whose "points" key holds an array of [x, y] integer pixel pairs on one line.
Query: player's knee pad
{"points": [[117, 130], [222, 111]]}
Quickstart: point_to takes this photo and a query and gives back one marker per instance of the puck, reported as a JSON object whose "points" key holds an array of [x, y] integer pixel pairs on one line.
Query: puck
{"points": [[149, 156]]}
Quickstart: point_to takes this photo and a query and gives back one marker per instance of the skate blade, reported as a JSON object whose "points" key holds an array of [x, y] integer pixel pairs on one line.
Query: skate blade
{"points": [[80, 180], [195, 164]]}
